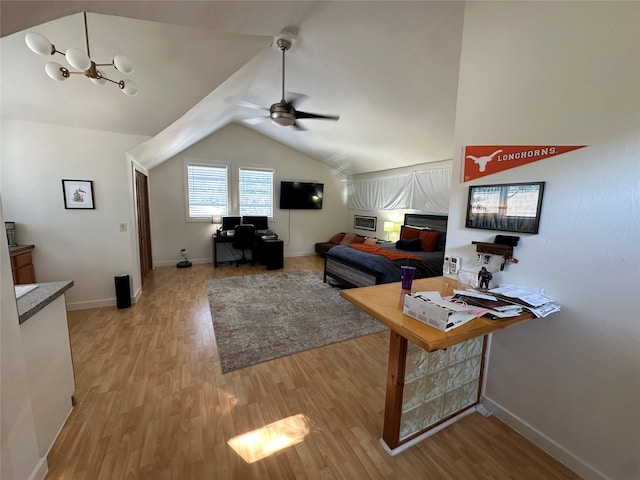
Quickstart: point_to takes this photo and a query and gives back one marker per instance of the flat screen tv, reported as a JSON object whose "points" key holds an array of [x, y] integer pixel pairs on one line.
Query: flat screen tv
{"points": [[513, 207], [301, 195]]}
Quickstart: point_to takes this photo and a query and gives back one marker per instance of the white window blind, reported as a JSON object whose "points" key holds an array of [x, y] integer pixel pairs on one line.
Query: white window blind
{"points": [[255, 189], [207, 191]]}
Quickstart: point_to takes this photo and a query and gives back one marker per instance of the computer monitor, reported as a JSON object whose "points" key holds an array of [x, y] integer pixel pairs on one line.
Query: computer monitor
{"points": [[229, 223], [260, 223]]}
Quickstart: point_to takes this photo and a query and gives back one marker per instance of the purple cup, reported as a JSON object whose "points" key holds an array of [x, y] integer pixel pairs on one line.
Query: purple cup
{"points": [[406, 275]]}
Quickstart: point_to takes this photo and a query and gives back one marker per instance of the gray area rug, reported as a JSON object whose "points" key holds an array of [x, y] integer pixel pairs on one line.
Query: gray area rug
{"points": [[257, 318]]}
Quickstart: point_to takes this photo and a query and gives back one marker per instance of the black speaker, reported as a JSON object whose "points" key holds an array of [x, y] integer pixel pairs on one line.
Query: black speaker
{"points": [[123, 291]]}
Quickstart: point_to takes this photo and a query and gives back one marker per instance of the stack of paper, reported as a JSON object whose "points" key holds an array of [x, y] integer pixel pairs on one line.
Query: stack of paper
{"points": [[489, 303], [529, 298]]}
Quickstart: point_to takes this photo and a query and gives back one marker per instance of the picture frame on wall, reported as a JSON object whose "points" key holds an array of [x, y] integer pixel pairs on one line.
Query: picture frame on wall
{"points": [[513, 207], [78, 194], [365, 223]]}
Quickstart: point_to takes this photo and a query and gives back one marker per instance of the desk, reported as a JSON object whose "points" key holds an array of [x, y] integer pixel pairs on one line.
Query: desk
{"points": [[432, 376], [267, 252]]}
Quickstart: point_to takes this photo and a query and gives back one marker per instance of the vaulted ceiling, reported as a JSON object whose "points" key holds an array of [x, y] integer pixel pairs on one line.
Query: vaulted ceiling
{"points": [[388, 68]]}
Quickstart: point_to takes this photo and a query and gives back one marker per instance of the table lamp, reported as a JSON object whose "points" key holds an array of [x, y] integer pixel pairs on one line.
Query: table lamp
{"points": [[217, 220], [388, 227]]}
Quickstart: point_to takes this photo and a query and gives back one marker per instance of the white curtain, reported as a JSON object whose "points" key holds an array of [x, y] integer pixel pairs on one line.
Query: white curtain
{"points": [[424, 190]]}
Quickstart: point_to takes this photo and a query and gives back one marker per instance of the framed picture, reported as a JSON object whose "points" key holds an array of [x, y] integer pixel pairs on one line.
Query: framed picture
{"points": [[365, 223], [78, 194], [511, 207]]}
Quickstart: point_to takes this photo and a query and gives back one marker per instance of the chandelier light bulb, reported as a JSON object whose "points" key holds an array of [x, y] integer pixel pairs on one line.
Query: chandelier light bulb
{"points": [[56, 71], [39, 44], [123, 64], [129, 87], [78, 59]]}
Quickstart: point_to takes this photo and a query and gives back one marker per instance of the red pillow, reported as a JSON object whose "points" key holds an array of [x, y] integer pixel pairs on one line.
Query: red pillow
{"points": [[337, 238], [409, 233], [429, 240], [358, 239]]}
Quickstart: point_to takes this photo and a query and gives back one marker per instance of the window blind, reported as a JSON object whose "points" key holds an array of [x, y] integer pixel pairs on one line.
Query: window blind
{"points": [[255, 192], [208, 191]]}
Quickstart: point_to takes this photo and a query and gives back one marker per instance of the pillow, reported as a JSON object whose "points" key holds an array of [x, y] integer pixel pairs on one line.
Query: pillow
{"points": [[414, 245], [358, 239], [408, 233], [442, 240], [348, 238], [428, 240], [370, 241], [337, 238]]}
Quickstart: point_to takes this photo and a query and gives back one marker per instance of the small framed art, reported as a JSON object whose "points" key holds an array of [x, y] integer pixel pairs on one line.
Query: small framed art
{"points": [[78, 194], [365, 223]]}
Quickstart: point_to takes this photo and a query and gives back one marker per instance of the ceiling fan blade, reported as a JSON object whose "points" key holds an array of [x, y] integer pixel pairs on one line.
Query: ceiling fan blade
{"points": [[295, 98], [243, 103], [299, 127], [255, 120], [300, 114]]}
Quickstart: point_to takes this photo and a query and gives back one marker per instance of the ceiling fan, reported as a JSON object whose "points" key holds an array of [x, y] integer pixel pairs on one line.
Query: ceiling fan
{"points": [[284, 112]]}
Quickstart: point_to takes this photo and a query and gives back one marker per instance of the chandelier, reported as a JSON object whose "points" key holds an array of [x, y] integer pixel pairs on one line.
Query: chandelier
{"points": [[80, 61]]}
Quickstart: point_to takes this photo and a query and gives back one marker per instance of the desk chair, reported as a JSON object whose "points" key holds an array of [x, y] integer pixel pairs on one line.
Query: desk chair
{"points": [[244, 238]]}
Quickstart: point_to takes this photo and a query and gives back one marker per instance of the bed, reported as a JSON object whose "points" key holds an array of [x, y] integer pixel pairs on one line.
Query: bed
{"points": [[350, 267]]}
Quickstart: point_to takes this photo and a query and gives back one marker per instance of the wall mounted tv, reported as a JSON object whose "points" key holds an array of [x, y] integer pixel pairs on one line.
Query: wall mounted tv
{"points": [[301, 195], [511, 207]]}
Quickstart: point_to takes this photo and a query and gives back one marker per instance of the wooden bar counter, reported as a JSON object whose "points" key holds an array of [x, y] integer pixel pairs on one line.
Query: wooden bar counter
{"points": [[443, 375]]}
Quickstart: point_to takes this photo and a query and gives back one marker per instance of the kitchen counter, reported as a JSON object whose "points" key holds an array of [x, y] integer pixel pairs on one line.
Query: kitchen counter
{"points": [[20, 248], [32, 302]]}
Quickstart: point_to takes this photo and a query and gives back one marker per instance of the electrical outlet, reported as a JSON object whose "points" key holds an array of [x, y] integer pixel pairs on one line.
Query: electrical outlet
{"points": [[123, 227]]}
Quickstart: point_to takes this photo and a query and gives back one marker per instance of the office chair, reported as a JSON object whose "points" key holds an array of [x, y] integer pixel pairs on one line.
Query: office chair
{"points": [[244, 238]]}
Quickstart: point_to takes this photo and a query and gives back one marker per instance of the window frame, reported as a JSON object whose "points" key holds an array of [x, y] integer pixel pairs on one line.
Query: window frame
{"points": [[196, 163]]}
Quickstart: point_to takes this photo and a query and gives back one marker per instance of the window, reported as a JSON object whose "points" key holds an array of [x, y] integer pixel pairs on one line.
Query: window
{"points": [[207, 191], [255, 189]]}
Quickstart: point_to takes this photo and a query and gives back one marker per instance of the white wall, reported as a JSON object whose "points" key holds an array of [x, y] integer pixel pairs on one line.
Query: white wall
{"points": [[564, 73], [81, 245], [239, 146]]}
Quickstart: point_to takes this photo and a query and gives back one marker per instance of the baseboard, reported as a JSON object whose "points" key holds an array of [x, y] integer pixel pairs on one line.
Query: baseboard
{"points": [[107, 302], [40, 471], [557, 451]]}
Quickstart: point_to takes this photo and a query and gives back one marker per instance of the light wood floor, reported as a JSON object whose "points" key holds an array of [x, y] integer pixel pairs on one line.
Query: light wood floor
{"points": [[152, 403]]}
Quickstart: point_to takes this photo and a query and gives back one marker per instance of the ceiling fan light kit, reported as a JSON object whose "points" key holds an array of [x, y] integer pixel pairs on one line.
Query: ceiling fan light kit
{"points": [[81, 61]]}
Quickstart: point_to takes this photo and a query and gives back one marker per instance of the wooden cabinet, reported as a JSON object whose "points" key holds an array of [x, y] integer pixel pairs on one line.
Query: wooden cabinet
{"points": [[22, 265]]}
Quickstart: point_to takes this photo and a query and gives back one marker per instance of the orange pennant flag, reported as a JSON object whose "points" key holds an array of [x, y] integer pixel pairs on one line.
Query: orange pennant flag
{"points": [[483, 160]]}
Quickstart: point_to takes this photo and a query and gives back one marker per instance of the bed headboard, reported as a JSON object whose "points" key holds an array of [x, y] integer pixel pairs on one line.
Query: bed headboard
{"points": [[433, 222]]}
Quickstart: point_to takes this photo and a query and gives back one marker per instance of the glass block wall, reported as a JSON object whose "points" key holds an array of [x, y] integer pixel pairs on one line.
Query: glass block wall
{"points": [[438, 384]]}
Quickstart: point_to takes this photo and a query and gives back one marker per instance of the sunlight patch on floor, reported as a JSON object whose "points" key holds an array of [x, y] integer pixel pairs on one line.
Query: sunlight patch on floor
{"points": [[263, 442]]}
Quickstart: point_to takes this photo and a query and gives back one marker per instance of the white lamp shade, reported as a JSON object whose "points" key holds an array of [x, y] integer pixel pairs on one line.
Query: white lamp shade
{"points": [[123, 64], [99, 81], [39, 44], [216, 219], [54, 70], [78, 59], [130, 88], [388, 226]]}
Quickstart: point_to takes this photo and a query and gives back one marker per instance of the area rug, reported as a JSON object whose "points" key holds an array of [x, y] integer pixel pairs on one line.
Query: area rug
{"points": [[257, 318]]}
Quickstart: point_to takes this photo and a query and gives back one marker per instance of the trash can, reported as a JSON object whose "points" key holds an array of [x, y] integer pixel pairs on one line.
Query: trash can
{"points": [[123, 291]]}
